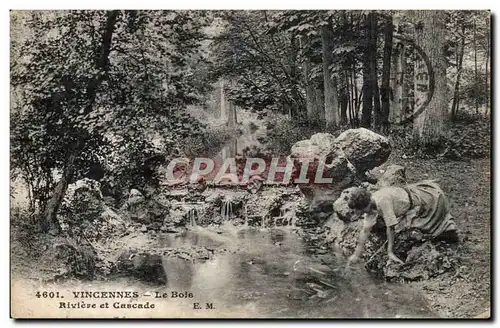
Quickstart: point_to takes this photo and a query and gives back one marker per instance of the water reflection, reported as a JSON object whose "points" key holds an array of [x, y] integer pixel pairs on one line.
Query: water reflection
{"points": [[269, 272]]}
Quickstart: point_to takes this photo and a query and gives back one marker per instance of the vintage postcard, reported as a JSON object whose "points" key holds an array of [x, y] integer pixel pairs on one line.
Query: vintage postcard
{"points": [[250, 164]]}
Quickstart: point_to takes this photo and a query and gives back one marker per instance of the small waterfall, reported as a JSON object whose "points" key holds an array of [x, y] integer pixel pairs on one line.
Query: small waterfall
{"points": [[226, 211], [192, 216], [245, 213]]}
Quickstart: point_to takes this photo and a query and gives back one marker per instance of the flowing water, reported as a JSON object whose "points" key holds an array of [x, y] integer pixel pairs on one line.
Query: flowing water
{"points": [[269, 273], [258, 271], [253, 273], [226, 211]]}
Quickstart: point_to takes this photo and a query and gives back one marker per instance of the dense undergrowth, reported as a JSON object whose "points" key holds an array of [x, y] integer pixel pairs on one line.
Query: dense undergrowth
{"points": [[468, 137]]}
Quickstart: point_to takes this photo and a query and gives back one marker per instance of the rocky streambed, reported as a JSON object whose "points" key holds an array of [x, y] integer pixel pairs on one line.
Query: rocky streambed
{"points": [[281, 248]]}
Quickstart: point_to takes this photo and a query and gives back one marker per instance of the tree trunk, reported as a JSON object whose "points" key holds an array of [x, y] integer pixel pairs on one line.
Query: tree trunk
{"points": [[487, 66], [295, 110], [386, 74], [222, 100], [331, 102], [397, 107], [355, 98], [403, 88], [231, 117], [231, 114], [430, 32], [374, 73], [49, 219], [397, 75], [456, 92], [309, 85], [344, 97], [366, 115], [476, 80], [319, 109]]}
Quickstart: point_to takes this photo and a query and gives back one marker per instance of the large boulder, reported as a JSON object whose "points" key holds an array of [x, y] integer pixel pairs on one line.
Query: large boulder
{"points": [[319, 145], [322, 148], [363, 148], [83, 201], [143, 266], [146, 211], [83, 211], [67, 257]]}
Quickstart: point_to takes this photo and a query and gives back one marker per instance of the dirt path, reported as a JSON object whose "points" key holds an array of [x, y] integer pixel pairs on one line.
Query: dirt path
{"points": [[468, 186]]}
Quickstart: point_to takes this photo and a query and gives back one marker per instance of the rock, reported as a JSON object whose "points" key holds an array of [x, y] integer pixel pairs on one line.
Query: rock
{"points": [[135, 197], [143, 228], [155, 226], [340, 206], [83, 211], [135, 207], [79, 256], [178, 193], [110, 223], [321, 147], [364, 149], [109, 214], [83, 201], [393, 175], [335, 227], [183, 213], [255, 184], [144, 266], [229, 179], [147, 211], [423, 261], [213, 196], [321, 209], [156, 211], [267, 204]]}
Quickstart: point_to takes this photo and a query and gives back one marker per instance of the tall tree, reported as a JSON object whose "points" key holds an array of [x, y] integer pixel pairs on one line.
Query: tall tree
{"points": [[368, 52], [428, 127], [232, 119], [311, 101], [86, 75], [374, 72], [487, 64], [222, 100], [331, 102], [476, 93], [459, 52], [49, 221], [386, 73], [399, 92]]}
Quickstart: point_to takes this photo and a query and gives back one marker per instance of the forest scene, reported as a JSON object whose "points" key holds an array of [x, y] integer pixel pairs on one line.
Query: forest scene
{"points": [[392, 106]]}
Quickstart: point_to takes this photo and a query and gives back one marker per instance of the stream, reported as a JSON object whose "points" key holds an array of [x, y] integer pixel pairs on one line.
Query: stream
{"points": [[271, 273]]}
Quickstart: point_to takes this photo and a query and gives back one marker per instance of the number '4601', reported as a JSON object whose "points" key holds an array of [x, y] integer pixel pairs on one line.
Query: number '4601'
{"points": [[47, 294]]}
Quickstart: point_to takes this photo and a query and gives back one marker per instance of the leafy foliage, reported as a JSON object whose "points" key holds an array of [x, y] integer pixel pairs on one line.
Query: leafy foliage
{"points": [[98, 85]]}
